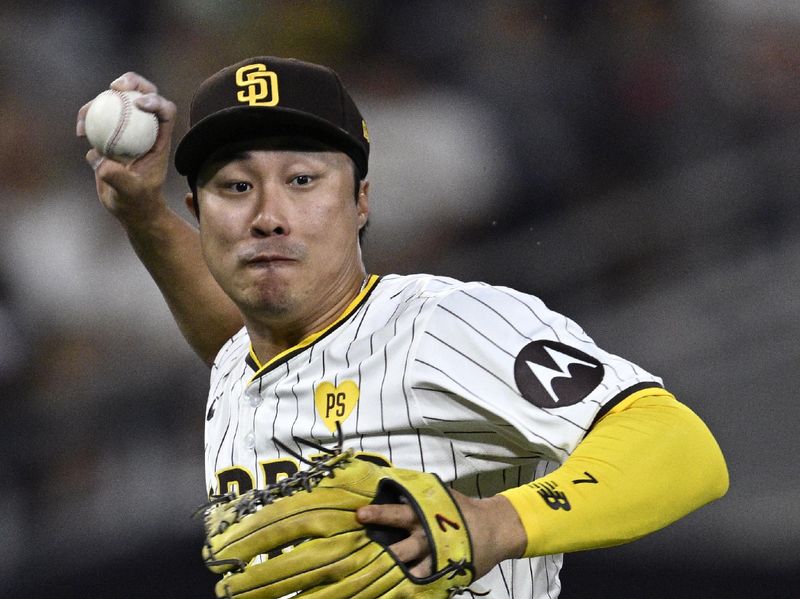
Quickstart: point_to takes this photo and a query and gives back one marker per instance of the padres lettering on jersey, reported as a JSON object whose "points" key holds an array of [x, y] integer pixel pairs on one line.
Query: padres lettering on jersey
{"points": [[483, 385]]}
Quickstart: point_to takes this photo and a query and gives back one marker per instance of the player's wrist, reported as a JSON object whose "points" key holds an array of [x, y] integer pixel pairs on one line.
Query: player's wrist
{"points": [[508, 530], [495, 529], [147, 213]]}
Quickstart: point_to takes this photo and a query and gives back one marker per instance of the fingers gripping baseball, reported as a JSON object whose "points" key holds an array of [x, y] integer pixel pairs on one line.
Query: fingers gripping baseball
{"points": [[131, 189], [131, 81]]}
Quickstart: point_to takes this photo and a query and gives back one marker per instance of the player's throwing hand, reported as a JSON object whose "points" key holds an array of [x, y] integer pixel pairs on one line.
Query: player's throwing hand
{"points": [[131, 190]]}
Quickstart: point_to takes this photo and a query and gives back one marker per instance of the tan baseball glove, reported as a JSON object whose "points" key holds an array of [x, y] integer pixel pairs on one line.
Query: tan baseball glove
{"points": [[307, 525]]}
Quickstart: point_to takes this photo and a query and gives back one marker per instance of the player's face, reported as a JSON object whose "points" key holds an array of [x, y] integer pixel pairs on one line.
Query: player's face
{"points": [[279, 230]]}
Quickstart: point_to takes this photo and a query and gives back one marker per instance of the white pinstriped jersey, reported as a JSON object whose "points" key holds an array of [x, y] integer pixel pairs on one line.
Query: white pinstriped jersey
{"points": [[483, 385]]}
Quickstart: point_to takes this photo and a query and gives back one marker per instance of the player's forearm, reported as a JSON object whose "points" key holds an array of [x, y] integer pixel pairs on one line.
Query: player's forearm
{"points": [[640, 469], [169, 247]]}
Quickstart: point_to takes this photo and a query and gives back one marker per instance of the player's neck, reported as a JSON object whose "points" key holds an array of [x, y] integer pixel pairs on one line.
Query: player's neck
{"points": [[271, 335]]}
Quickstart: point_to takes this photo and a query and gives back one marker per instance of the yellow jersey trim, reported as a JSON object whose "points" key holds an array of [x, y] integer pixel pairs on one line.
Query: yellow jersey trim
{"points": [[372, 281]]}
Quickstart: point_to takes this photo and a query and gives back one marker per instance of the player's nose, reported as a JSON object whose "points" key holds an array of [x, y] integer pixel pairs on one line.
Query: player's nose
{"points": [[269, 216]]}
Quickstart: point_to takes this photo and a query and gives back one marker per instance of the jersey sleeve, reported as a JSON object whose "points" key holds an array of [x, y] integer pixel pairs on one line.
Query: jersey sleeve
{"points": [[495, 355]]}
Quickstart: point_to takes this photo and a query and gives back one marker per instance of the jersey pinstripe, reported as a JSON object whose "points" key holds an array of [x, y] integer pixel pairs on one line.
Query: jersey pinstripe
{"points": [[427, 373]]}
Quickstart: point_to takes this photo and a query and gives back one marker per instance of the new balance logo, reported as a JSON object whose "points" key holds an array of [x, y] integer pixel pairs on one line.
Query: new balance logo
{"points": [[212, 409], [555, 500]]}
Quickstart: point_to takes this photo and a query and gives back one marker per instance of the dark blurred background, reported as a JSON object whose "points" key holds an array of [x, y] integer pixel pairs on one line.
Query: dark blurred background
{"points": [[635, 164]]}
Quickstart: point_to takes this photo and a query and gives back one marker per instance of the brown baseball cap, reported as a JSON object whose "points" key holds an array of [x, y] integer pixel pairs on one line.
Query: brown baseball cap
{"points": [[268, 96]]}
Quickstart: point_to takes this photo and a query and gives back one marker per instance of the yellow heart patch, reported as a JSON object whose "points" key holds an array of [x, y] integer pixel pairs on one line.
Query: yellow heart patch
{"points": [[334, 404]]}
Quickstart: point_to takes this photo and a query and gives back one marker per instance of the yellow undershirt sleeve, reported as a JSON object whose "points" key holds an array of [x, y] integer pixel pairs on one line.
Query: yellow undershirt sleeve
{"points": [[644, 465]]}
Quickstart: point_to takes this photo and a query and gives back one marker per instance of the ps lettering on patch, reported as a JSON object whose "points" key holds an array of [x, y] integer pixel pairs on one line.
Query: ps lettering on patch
{"points": [[550, 374]]}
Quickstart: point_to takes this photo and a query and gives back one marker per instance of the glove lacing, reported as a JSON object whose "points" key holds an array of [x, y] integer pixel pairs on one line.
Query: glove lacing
{"points": [[455, 591], [321, 467]]}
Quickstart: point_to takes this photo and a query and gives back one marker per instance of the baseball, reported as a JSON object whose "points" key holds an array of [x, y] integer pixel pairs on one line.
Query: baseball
{"points": [[117, 128]]}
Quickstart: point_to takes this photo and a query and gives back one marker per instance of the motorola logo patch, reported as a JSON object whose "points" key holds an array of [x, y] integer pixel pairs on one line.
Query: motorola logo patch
{"points": [[550, 374]]}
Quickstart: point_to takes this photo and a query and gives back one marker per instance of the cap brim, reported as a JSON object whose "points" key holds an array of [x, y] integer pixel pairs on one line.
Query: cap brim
{"points": [[242, 123]]}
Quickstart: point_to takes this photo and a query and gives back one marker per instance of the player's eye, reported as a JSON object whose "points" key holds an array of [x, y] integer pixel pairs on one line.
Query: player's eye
{"points": [[302, 180], [240, 186]]}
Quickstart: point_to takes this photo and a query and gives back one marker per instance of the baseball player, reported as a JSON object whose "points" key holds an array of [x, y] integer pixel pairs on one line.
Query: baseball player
{"points": [[549, 443]]}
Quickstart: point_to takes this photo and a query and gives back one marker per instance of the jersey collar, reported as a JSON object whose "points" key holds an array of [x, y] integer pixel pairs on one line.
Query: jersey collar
{"points": [[358, 301]]}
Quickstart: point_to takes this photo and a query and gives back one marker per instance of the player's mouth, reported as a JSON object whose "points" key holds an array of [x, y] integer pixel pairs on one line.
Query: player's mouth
{"points": [[265, 260], [270, 255], [267, 257]]}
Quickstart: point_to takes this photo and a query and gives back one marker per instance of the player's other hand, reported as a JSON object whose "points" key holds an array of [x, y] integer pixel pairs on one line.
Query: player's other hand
{"points": [[133, 191], [495, 529]]}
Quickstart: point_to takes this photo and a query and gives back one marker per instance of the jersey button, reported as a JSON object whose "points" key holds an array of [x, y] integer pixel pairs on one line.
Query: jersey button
{"points": [[250, 440], [255, 401]]}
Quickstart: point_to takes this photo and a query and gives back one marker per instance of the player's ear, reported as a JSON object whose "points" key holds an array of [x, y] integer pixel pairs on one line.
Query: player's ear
{"points": [[362, 205], [191, 204]]}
